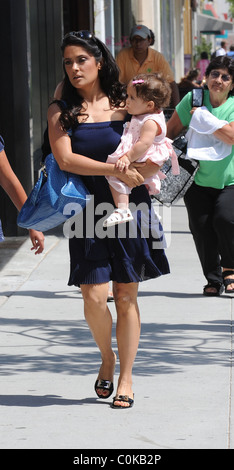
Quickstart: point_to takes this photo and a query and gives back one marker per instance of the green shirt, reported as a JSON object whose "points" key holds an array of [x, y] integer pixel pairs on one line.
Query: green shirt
{"points": [[214, 174]]}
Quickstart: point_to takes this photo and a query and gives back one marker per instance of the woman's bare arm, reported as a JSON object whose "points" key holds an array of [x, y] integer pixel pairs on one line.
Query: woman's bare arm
{"points": [[226, 133], [67, 160], [10, 182], [174, 126]]}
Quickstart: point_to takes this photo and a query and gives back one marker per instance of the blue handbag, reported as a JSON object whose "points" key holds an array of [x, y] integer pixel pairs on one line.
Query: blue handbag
{"points": [[44, 208]]}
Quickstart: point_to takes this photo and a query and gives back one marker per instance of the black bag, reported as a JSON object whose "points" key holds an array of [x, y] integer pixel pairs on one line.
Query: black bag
{"points": [[174, 187]]}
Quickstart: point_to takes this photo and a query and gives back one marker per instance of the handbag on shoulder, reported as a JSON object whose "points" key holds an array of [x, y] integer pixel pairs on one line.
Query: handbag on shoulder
{"points": [[174, 187], [44, 208]]}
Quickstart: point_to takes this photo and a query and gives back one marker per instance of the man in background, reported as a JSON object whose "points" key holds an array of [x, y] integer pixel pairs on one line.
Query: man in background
{"points": [[141, 58]]}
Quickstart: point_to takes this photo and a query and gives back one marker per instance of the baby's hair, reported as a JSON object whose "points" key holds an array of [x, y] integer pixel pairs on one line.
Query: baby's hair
{"points": [[153, 87]]}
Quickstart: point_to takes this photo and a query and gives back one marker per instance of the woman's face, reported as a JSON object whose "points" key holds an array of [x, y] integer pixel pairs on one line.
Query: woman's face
{"points": [[219, 82], [81, 67]]}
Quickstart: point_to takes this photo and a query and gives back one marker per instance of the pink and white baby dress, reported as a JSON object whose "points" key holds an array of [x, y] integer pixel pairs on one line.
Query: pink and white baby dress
{"points": [[160, 151]]}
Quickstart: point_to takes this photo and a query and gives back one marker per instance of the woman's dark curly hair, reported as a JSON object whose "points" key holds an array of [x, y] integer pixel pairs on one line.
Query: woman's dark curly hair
{"points": [[222, 62], [108, 74]]}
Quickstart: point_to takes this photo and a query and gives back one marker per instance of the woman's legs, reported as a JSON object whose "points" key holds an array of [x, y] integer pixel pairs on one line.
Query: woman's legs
{"points": [[200, 204], [211, 221], [224, 227], [99, 320], [127, 334]]}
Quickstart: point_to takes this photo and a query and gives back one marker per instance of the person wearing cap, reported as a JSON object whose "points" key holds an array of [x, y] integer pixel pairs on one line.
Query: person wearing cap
{"points": [[141, 58]]}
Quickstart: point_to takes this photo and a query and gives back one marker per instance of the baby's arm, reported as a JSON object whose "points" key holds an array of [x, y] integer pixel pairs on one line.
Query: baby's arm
{"points": [[148, 133]]}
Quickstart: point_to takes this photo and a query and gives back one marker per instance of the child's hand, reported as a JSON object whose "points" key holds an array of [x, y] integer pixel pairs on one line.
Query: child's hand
{"points": [[123, 163]]}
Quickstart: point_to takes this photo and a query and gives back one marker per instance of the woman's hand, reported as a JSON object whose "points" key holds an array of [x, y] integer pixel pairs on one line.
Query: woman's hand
{"points": [[131, 177], [37, 239], [146, 169]]}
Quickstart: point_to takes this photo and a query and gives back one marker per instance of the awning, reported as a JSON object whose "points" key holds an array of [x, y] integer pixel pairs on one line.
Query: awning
{"points": [[210, 25]]}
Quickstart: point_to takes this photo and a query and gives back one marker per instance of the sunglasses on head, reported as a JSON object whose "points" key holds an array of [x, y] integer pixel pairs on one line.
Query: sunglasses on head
{"points": [[83, 34], [216, 74]]}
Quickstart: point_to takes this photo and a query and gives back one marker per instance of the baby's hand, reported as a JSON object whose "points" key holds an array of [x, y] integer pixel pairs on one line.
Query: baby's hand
{"points": [[123, 163]]}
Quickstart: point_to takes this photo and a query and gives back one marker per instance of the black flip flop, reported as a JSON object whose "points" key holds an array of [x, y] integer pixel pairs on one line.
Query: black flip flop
{"points": [[123, 398], [229, 281], [106, 385]]}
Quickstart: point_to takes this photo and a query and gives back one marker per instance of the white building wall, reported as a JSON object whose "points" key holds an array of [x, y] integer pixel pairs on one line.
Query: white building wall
{"points": [[179, 40], [99, 20]]}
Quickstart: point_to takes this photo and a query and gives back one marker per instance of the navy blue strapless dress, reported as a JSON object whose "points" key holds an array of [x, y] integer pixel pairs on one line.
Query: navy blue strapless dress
{"points": [[124, 253]]}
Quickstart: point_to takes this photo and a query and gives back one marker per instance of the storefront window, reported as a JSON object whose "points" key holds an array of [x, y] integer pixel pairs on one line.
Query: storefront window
{"points": [[113, 23], [167, 30]]}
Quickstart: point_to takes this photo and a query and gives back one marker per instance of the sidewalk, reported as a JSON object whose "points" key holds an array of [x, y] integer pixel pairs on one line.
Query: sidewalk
{"points": [[49, 362]]}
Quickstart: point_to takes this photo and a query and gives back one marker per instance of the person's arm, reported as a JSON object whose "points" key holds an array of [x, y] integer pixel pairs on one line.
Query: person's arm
{"points": [[226, 133], [10, 182], [174, 126], [79, 164], [175, 94], [147, 135], [15, 191], [149, 131], [58, 91], [146, 169]]}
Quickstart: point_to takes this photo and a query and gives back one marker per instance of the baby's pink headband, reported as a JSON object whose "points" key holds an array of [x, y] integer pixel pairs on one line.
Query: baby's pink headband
{"points": [[135, 82]]}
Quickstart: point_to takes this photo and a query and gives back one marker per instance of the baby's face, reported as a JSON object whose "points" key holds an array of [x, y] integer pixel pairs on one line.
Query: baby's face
{"points": [[134, 104]]}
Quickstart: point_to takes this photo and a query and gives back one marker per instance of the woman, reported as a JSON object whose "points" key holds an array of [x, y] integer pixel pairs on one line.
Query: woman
{"points": [[92, 108], [14, 189], [188, 82], [202, 65], [209, 201]]}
